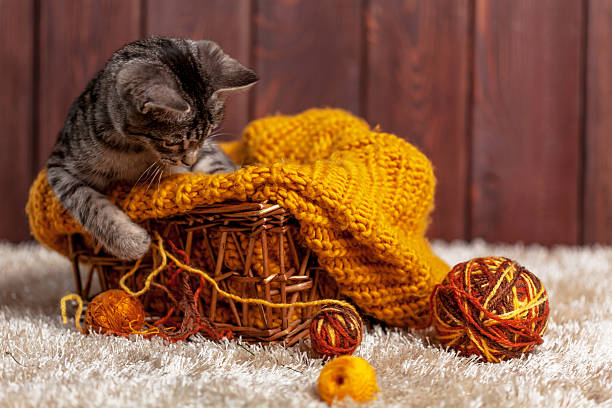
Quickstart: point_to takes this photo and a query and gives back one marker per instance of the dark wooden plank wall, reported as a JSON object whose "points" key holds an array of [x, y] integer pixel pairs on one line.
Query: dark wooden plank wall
{"points": [[307, 54], [16, 114], [526, 121], [598, 126], [510, 100]]}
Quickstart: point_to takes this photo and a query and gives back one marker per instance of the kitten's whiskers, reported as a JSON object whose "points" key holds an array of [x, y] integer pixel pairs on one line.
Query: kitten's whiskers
{"points": [[161, 173], [143, 173], [213, 136], [157, 170]]}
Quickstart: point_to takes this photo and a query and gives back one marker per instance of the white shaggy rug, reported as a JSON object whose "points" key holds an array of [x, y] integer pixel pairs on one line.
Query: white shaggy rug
{"points": [[46, 364]]}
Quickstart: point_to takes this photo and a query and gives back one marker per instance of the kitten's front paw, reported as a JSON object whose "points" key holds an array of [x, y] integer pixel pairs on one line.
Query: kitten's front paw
{"points": [[131, 244]]}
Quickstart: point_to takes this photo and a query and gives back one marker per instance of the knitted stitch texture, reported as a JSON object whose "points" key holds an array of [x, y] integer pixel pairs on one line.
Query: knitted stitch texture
{"points": [[361, 197]]}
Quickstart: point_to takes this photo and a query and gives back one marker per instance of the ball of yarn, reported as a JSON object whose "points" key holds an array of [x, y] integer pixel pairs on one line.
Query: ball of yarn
{"points": [[491, 307], [114, 312], [347, 376], [335, 331]]}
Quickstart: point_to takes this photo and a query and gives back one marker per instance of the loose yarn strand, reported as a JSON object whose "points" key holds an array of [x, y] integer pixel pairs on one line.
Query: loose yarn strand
{"points": [[152, 275], [77, 317]]}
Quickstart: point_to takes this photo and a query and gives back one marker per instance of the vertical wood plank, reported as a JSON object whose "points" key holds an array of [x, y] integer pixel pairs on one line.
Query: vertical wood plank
{"points": [[16, 82], [227, 22], [418, 56], [307, 54], [76, 39], [598, 166], [526, 121]]}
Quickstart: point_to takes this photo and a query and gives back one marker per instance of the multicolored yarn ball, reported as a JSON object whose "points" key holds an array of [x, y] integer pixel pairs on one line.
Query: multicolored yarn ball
{"points": [[335, 331], [491, 307], [347, 376], [114, 312]]}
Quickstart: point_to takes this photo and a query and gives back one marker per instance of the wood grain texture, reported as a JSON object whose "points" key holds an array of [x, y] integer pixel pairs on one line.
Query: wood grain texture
{"points": [[598, 166], [307, 54], [76, 39], [227, 22], [16, 82], [526, 121], [418, 83]]}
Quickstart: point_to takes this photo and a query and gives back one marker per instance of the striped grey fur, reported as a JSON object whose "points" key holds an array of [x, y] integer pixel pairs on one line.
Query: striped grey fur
{"points": [[149, 111]]}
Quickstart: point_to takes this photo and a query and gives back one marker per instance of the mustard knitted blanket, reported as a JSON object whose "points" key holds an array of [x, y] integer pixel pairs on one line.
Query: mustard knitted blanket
{"points": [[362, 199]]}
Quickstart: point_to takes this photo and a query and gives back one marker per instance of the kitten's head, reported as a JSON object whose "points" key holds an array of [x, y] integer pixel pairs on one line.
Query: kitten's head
{"points": [[170, 94]]}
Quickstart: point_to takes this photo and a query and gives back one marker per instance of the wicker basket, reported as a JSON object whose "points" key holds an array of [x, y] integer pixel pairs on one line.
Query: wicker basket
{"points": [[252, 250]]}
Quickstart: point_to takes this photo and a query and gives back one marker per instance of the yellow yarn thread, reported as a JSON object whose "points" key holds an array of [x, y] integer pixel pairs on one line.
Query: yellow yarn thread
{"points": [[79, 312], [347, 376], [362, 198], [153, 274]]}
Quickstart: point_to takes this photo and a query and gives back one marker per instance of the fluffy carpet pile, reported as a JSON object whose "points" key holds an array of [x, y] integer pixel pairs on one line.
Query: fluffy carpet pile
{"points": [[43, 363]]}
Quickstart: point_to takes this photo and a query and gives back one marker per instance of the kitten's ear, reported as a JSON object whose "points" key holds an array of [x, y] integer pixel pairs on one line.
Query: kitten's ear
{"points": [[164, 99], [150, 89], [225, 73]]}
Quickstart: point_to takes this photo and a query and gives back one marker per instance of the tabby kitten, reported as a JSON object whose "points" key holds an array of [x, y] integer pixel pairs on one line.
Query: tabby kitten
{"points": [[149, 110]]}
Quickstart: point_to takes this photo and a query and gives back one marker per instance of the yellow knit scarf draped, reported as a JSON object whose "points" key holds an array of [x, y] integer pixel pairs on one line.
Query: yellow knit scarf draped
{"points": [[362, 199]]}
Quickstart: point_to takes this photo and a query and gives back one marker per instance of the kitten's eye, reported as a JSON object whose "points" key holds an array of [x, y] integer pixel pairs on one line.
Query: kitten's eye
{"points": [[172, 143]]}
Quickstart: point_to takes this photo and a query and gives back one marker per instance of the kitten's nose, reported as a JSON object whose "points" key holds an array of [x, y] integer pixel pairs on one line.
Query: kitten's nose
{"points": [[190, 158]]}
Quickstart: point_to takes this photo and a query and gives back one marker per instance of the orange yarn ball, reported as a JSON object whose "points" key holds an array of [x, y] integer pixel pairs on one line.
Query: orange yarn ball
{"points": [[491, 307], [347, 376], [336, 330], [114, 312]]}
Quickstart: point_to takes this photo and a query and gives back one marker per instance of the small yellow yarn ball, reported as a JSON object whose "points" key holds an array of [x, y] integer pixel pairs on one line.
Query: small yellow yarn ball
{"points": [[347, 376], [114, 312]]}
